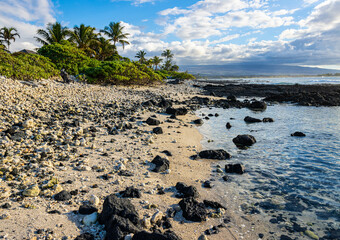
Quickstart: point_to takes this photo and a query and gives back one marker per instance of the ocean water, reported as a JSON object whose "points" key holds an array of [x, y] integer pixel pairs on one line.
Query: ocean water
{"points": [[297, 177], [281, 80]]}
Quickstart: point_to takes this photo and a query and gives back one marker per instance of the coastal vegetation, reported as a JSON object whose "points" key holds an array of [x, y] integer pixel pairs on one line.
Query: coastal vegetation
{"points": [[85, 52]]}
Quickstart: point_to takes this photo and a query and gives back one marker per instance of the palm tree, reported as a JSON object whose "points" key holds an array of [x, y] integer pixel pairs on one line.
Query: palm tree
{"points": [[54, 33], [168, 59], [141, 56], [7, 35], [115, 33], [156, 61], [85, 38], [167, 54], [104, 49]]}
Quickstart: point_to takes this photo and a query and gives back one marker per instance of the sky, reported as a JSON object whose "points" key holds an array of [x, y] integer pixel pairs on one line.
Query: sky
{"points": [[209, 32]]}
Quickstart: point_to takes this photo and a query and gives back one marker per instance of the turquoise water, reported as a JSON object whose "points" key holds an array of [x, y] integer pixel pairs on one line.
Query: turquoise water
{"points": [[283, 80], [297, 177]]}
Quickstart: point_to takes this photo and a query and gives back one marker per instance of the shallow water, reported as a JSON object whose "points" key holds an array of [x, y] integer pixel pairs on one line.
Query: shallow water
{"points": [[296, 177], [282, 80]]}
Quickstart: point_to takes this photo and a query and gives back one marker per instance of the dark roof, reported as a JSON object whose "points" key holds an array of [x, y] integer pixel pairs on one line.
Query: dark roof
{"points": [[28, 51]]}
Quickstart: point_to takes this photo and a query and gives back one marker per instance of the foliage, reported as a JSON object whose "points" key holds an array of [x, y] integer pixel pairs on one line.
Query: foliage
{"points": [[54, 33], [85, 38], [104, 49], [7, 35], [115, 32], [156, 61], [125, 73], [68, 57], [175, 75], [141, 56], [26, 66]]}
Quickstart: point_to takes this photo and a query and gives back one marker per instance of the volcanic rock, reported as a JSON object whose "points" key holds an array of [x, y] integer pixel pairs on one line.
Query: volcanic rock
{"points": [[234, 168], [187, 191], [162, 164], [153, 121], [215, 154], [193, 210], [244, 140], [248, 119]]}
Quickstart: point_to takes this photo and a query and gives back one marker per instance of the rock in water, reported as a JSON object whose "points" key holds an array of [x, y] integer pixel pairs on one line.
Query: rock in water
{"points": [[177, 111], [162, 164], [187, 191], [193, 210], [119, 217], [258, 106], [153, 121], [298, 134], [235, 168], [168, 235], [248, 119], [267, 120], [215, 154], [157, 130], [63, 196], [244, 140], [228, 125], [131, 192], [198, 122]]}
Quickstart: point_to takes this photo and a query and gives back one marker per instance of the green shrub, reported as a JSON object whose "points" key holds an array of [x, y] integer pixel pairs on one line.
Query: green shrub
{"points": [[26, 66], [118, 72], [68, 57], [175, 75]]}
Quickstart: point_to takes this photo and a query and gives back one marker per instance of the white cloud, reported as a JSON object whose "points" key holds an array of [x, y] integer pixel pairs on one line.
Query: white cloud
{"points": [[208, 18], [136, 2], [27, 16]]}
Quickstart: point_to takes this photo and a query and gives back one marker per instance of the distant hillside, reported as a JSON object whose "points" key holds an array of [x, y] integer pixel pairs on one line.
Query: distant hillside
{"points": [[253, 69]]}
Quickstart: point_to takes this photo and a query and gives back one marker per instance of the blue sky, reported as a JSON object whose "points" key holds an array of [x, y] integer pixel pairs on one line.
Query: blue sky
{"points": [[295, 32]]}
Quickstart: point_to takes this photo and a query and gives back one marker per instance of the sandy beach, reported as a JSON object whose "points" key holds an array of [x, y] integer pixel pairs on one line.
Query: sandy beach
{"points": [[92, 141]]}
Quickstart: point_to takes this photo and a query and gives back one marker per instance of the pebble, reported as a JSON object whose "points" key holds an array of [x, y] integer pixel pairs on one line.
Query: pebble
{"points": [[90, 219]]}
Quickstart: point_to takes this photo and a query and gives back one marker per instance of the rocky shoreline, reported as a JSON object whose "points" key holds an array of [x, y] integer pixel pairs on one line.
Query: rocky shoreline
{"points": [[86, 161], [305, 95], [82, 161]]}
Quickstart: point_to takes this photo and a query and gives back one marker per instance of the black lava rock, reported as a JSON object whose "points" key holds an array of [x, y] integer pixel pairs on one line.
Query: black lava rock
{"points": [[166, 152], [198, 121], [87, 209], [207, 184], [267, 120], [143, 235], [232, 98], [235, 168], [228, 125], [187, 191], [213, 204], [162, 164], [85, 236], [248, 119], [298, 134], [131, 192], [119, 217], [177, 111], [63, 196], [215, 154], [226, 178], [153, 121], [157, 130], [244, 140], [258, 106], [193, 210]]}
